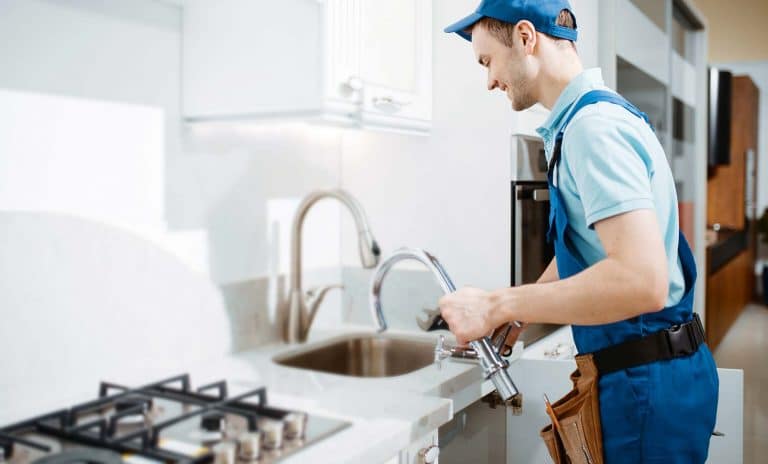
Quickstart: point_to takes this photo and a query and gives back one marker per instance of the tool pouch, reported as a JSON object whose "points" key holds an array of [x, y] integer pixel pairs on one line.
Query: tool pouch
{"points": [[554, 444], [576, 437]]}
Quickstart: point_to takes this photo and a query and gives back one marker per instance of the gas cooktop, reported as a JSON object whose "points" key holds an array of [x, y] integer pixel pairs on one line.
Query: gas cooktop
{"points": [[165, 421]]}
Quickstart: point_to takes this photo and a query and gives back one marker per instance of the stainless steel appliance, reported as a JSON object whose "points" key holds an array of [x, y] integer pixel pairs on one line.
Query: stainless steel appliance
{"points": [[530, 252], [166, 421]]}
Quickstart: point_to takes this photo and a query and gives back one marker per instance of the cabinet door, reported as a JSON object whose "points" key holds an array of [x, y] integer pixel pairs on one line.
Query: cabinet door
{"points": [[387, 47], [729, 447], [476, 434]]}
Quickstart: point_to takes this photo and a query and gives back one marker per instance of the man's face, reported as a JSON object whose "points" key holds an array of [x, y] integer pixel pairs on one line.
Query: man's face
{"points": [[507, 67]]}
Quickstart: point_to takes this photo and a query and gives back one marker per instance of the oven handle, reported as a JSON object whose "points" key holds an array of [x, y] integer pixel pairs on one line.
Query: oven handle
{"points": [[535, 194]]}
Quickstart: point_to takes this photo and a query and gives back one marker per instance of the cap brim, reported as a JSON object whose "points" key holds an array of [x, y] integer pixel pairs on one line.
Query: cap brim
{"points": [[460, 26]]}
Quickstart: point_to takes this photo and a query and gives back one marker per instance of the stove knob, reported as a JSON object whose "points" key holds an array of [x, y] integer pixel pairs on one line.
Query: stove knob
{"points": [[212, 421], [295, 423], [250, 445], [429, 454], [272, 434], [224, 453]]}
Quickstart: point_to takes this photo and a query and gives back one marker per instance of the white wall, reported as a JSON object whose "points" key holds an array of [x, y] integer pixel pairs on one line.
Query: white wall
{"points": [[90, 128], [82, 302], [118, 55]]}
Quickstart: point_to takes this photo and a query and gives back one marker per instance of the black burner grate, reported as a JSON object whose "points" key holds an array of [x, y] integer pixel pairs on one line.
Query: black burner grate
{"points": [[102, 432]]}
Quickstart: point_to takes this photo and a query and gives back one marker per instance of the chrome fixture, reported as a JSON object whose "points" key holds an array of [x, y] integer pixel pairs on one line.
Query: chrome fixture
{"points": [[301, 307], [494, 367], [442, 350]]}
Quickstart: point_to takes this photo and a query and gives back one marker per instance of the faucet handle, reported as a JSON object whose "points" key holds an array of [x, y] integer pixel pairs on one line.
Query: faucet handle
{"points": [[443, 351], [440, 351], [315, 295], [312, 299]]}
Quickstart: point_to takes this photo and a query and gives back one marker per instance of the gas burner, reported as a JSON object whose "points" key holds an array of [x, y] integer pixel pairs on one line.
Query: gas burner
{"points": [[132, 409], [136, 404], [165, 421], [213, 421]]}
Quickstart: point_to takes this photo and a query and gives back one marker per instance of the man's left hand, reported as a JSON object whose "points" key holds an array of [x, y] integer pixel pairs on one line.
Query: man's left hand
{"points": [[469, 313]]}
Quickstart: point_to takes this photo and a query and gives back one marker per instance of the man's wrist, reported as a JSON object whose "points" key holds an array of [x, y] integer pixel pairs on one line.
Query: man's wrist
{"points": [[501, 307]]}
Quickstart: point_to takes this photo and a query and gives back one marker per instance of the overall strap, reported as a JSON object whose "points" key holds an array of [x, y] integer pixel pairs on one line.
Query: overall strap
{"points": [[589, 98]]}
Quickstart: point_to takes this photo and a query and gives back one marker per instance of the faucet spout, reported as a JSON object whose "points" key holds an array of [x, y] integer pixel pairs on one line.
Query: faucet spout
{"points": [[494, 367], [298, 319], [399, 255]]}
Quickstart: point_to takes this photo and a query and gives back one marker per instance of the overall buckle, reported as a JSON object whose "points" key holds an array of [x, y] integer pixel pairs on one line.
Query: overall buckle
{"points": [[679, 340]]}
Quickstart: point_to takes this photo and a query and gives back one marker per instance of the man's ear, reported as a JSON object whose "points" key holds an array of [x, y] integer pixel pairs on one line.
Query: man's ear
{"points": [[526, 32]]}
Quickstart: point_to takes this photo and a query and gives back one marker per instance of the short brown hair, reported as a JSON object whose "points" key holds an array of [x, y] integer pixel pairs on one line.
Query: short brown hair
{"points": [[505, 32]]}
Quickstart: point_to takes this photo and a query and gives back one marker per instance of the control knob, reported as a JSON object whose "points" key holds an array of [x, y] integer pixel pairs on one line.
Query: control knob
{"points": [[429, 454]]}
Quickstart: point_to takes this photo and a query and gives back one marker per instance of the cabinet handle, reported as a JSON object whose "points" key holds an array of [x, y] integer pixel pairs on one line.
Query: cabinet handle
{"points": [[389, 104], [541, 195], [429, 454], [352, 85]]}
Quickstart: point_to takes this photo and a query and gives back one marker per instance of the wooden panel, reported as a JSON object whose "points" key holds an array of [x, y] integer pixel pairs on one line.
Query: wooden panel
{"points": [[725, 190], [728, 292]]}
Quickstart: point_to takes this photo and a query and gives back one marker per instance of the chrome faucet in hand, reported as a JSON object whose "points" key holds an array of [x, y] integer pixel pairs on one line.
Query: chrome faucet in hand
{"points": [[301, 307], [494, 367]]}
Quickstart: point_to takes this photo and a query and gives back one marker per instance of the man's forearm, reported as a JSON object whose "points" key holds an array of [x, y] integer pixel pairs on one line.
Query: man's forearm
{"points": [[603, 293], [549, 274]]}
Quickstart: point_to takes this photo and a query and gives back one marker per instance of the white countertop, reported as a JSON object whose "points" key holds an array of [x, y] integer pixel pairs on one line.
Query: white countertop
{"points": [[386, 414]]}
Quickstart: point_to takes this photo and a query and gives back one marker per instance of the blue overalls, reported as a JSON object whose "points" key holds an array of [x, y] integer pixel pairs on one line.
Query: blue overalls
{"points": [[662, 412]]}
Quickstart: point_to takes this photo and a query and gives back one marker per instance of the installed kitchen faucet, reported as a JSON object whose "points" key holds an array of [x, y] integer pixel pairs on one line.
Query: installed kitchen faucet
{"points": [[494, 366], [301, 307]]}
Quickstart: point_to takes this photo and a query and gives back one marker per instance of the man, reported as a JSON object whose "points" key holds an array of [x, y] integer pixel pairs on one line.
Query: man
{"points": [[622, 275]]}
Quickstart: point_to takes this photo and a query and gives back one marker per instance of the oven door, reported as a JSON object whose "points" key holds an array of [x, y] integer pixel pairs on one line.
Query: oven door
{"points": [[530, 252]]}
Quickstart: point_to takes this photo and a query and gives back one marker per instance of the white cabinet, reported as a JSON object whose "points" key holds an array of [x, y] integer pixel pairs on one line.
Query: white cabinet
{"points": [[423, 450], [728, 444], [476, 434], [354, 62]]}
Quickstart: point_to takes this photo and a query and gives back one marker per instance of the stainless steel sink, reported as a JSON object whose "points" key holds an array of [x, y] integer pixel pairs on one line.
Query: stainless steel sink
{"points": [[363, 356]]}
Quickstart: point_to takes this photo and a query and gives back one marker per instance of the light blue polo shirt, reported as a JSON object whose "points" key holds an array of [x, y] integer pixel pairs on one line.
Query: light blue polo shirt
{"points": [[611, 163]]}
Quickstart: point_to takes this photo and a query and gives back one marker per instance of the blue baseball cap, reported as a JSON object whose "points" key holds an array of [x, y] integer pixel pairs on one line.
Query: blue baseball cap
{"points": [[542, 13]]}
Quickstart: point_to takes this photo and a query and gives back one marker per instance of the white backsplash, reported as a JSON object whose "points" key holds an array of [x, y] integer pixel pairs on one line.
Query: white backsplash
{"points": [[404, 293]]}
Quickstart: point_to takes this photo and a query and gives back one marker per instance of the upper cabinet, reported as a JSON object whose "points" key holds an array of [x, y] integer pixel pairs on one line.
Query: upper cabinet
{"points": [[361, 63]]}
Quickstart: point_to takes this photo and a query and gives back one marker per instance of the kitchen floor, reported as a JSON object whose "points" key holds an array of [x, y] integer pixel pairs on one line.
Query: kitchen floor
{"points": [[745, 346]]}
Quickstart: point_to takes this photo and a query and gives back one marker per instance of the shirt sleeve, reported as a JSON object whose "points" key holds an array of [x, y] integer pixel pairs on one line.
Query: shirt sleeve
{"points": [[610, 165]]}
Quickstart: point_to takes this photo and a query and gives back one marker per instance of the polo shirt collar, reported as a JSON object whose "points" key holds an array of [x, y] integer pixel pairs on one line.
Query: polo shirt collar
{"points": [[589, 79]]}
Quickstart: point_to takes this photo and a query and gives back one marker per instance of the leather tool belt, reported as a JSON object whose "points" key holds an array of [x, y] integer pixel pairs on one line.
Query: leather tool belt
{"points": [[575, 434]]}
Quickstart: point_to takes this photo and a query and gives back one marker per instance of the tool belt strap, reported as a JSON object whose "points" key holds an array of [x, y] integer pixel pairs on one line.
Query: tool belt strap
{"points": [[675, 342]]}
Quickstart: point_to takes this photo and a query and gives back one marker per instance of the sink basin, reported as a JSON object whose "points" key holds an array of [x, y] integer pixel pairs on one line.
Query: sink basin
{"points": [[363, 356]]}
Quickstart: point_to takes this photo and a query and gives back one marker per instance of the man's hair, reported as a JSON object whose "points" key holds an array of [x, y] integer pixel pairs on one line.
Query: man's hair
{"points": [[505, 32]]}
